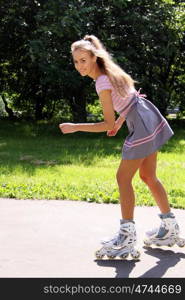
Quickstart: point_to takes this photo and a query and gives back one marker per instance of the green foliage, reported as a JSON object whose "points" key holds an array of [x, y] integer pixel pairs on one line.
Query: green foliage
{"points": [[145, 37], [95, 111], [2, 109]]}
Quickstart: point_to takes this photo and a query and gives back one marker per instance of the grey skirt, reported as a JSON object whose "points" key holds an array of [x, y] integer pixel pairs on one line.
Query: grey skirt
{"points": [[148, 130]]}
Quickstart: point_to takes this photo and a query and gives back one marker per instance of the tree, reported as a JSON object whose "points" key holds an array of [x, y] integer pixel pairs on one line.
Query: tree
{"points": [[37, 74], [147, 40], [37, 55]]}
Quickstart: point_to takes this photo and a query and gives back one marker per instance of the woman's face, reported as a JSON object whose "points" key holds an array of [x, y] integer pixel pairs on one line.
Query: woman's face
{"points": [[84, 62]]}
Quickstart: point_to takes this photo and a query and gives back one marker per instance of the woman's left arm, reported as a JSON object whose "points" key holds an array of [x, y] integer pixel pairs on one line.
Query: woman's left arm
{"points": [[107, 124]]}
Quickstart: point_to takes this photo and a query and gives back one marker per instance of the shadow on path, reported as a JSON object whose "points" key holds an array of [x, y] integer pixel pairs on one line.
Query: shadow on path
{"points": [[167, 259], [122, 267]]}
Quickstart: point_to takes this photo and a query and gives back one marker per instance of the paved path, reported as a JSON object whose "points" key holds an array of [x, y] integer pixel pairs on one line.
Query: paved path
{"points": [[44, 238]]}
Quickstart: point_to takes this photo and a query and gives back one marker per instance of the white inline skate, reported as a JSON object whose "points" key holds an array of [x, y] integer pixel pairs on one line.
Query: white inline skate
{"points": [[166, 235], [121, 245]]}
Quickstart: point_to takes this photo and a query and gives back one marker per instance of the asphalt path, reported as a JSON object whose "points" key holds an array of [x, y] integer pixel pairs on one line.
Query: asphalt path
{"points": [[56, 238]]}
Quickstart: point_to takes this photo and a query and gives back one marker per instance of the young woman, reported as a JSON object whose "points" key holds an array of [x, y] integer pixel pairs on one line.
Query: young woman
{"points": [[148, 131]]}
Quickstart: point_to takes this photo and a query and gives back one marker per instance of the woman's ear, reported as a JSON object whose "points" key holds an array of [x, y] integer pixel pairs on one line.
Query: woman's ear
{"points": [[94, 59]]}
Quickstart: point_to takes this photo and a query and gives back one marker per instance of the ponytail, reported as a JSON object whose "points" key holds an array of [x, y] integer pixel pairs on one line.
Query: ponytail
{"points": [[94, 41]]}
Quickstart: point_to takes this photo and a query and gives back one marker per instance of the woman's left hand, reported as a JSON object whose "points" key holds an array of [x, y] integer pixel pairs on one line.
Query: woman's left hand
{"points": [[114, 131], [67, 127]]}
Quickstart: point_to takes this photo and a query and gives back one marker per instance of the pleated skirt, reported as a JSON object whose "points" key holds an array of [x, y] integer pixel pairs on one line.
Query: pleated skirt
{"points": [[148, 130]]}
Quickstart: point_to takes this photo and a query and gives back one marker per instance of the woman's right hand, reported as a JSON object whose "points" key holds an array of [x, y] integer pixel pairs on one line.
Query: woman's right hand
{"points": [[68, 127]]}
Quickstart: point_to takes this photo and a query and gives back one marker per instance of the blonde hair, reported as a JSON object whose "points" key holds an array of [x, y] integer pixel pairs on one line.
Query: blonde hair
{"points": [[120, 80]]}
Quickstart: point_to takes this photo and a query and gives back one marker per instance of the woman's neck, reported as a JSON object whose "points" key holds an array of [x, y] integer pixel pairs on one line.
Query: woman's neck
{"points": [[96, 73]]}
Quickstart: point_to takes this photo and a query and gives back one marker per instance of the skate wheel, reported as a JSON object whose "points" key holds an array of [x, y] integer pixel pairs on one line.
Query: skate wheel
{"points": [[124, 255], [171, 244], [147, 243], [136, 254], [111, 256], [181, 243], [99, 255]]}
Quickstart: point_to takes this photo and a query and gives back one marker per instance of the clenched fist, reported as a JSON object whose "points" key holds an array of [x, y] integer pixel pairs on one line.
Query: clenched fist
{"points": [[114, 131], [67, 127]]}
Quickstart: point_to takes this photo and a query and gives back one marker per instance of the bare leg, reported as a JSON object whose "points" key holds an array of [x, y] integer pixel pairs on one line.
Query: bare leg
{"points": [[147, 172], [125, 174]]}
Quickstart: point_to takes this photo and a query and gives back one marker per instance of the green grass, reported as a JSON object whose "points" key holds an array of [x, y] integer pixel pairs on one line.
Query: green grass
{"points": [[38, 162]]}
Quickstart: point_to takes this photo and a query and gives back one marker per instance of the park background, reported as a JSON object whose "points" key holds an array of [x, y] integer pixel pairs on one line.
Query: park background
{"points": [[39, 88]]}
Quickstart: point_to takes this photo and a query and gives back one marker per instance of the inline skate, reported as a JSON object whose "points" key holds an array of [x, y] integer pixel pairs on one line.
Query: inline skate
{"points": [[121, 245], [166, 235]]}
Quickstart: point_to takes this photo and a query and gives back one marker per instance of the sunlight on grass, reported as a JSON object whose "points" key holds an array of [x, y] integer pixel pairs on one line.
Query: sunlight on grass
{"points": [[41, 163]]}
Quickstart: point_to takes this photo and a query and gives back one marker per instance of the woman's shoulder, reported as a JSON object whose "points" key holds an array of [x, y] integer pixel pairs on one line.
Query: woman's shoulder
{"points": [[102, 78], [103, 83]]}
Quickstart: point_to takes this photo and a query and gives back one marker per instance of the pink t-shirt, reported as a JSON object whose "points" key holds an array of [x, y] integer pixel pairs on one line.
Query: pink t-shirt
{"points": [[121, 105]]}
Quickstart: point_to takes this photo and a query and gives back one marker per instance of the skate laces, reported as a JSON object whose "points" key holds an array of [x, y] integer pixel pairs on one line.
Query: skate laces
{"points": [[112, 240], [118, 239], [158, 231], [163, 229], [121, 236], [118, 243]]}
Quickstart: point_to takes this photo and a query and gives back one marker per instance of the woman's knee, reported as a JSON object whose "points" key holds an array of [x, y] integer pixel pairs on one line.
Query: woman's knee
{"points": [[148, 179], [123, 178]]}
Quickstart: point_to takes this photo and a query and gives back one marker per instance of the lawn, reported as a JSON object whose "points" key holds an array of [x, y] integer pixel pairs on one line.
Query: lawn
{"points": [[38, 162]]}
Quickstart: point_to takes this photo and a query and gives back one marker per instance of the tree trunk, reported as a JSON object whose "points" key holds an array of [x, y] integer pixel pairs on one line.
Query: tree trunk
{"points": [[78, 107], [39, 109], [9, 111]]}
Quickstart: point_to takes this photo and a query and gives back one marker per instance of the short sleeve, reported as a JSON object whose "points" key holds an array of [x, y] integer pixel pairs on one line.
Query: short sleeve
{"points": [[103, 83]]}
